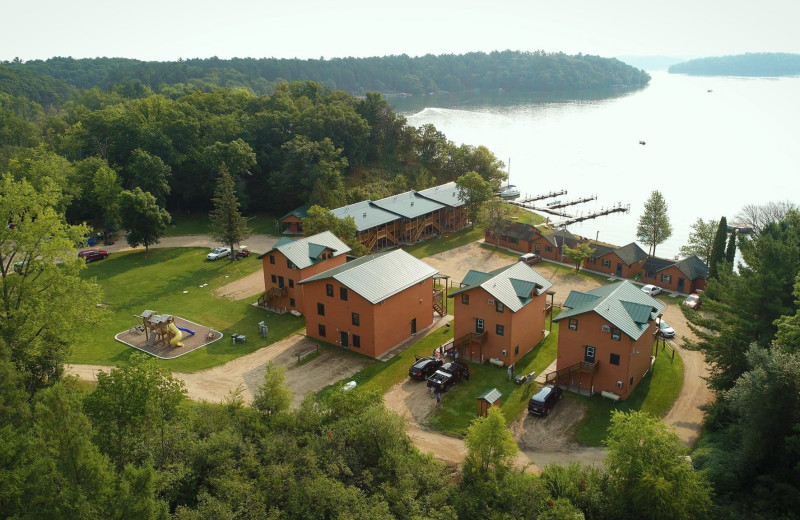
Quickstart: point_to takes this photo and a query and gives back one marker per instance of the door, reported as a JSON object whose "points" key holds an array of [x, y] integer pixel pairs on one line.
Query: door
{"points": [[681, 281], [619, 269], [344, 339], [414, 326], [280, 281], [479, 326], [588, 355]]}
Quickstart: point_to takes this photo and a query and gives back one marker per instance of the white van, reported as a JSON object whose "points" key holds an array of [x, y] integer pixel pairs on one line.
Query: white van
{"points": [[530, 258]]}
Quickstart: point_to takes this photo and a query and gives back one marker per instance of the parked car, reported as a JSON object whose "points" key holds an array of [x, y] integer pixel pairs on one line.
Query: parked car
{"points": [[665, 330], [693, 301], [530, 258], [545, 399], [243, 252], [448, 375], [218, 253], [90, 255], [652, 290], [424, 367]]}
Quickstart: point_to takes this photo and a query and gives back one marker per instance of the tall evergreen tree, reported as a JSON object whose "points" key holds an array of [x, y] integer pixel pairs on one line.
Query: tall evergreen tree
{"points": [[654, 226], [718, 250], [228, 226], [730, 251]]}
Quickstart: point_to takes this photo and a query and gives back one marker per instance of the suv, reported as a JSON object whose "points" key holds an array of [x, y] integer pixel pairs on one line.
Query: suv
{"points": [[448, 375], [424, 367], [543, 401], [530, 258]]}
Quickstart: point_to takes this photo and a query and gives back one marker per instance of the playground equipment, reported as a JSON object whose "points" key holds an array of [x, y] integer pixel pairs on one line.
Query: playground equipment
{"points": [[160, 328], [176, 335]]}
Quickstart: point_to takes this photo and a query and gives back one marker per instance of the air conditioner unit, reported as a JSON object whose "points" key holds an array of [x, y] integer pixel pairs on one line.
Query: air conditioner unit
{"points": [[491, 302], [606, 328]]}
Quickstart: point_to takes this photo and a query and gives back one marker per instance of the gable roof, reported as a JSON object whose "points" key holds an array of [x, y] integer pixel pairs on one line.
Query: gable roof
{"points": [[693, 267], [366, 214], [446, 194], [512, 285], [521, 231], [600, 249], [631, 253], [379, 276], [654, 264], [623, 304], [557, 237], [408, 204], [305, 252], [301, 213]]}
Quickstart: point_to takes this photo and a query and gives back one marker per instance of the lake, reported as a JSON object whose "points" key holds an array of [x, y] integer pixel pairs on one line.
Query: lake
{"points": [[712, 145]]}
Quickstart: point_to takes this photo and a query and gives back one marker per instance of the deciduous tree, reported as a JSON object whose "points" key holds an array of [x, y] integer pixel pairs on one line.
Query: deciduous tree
{"points": [[151, 174], [654, 227], [490, 446], [273, 396], [474, 191], [496, 219], [228, 226], [579, 254], [143, 219], [701, 240], [319, 219]]}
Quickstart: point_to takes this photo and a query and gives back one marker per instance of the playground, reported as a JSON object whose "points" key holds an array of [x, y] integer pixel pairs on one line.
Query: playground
{"points": [[165, 336]]}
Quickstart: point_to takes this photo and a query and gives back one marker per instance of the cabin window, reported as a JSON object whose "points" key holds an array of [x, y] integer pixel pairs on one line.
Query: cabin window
{"points": [[616, 334], [499, 330], [513, 240], [272, 259], [573, 324], [274, 279], [356, 341], [516, 350], [356, 319], [465, 299], [329, 289], [614, 359], [343, 293], [591, 260], [650, 274], [321, 309], [499, 307], [549, 249], [537, 248], [321, 330], [606, 263], [289, 264], [291, 283], [291, 302], [666, 278]]}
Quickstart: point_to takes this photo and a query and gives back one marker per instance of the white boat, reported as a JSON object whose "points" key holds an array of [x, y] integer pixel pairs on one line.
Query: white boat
{"points": [[509, 192]]}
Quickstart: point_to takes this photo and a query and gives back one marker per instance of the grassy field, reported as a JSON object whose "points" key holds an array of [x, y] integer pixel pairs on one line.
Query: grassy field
{"points": [[133, 282], [198, 224], [445, 242]]}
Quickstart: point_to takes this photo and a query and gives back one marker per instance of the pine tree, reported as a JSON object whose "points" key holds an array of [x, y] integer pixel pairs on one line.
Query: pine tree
{"points": [[228, 226], [730, 251], [718, 250], [654, 227]]}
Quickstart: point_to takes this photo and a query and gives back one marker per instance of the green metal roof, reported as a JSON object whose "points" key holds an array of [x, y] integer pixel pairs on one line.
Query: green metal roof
{"points": [[474, 277], [491, 395], [622, 304], [379, 276], [366, 214], [408, 205], [301, 213], [511, 285], [446, 194], [305, 252]]}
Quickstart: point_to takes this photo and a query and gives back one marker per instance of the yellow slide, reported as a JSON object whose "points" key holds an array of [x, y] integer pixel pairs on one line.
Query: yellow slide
{"points": [[176, 335]]}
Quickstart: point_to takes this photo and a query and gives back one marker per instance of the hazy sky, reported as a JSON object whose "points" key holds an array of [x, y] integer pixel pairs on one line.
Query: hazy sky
{"points": [[171, 29]]}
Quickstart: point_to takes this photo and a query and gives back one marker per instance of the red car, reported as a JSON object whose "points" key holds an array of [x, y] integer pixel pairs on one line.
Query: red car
{"points": [[90, 255]]}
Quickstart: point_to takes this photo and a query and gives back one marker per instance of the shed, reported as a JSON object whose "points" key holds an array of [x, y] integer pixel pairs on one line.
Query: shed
{"points": [[488, 399]]}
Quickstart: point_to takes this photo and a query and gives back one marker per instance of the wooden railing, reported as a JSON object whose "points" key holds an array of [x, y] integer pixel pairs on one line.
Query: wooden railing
{"points": [[438, 302], [581, 367], [266, 299]]}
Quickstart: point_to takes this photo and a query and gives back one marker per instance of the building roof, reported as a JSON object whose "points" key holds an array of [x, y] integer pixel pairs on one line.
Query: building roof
{"points": [[301, 213], [305, 252], [446, 194], [379, 276], [557, 237], [491, 395], [408, 204], [366, 214], [512, 286], [600, 249], [623, 304], [521, 231], [631, 253], [654, 264], [693, 267]]}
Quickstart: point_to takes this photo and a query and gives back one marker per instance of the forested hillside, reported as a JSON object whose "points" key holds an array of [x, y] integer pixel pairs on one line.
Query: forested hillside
{"points": [[755, 64], [507, 70]]}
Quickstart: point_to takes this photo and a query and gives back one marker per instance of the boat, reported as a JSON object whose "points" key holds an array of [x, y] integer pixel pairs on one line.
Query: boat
{"points": [[553, 203], [510, 191]]}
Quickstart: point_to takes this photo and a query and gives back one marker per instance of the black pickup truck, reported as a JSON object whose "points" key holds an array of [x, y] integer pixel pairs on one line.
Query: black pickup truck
{"points": [[450, 374]]}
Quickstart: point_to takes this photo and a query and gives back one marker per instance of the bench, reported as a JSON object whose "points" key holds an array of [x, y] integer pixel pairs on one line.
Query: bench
{"points": [[301, 355]]}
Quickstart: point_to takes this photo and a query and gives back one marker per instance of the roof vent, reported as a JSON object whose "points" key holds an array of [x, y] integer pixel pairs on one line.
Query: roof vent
{"points": [[365, 214], [412, 202]]}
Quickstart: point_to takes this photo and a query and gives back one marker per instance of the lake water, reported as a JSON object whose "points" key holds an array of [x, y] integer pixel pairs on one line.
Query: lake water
{"points": [[713, 145]]}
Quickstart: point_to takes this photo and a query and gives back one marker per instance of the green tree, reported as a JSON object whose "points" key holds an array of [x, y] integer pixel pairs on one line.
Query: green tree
{"points": [[654, 227], [142, 218], [701, 240], [319, 219], [579, 254], [474, 191], [649, 473], [315, 168], [496, 219], [228, 226], [490, 446], [106, 188], [730, 250], [273, 396], [718, 249], [151, 174]]}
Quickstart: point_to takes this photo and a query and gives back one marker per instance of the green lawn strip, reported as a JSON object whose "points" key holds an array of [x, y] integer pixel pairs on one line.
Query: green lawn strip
{"points": [[655, 395], [133, 281], [198, 224], [445, 242], [460, 404], [525, 216]]}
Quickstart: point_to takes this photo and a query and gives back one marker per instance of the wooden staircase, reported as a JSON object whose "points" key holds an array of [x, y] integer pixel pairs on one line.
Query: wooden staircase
{"points": [[583, 367], [438, 302], [272, 298]]}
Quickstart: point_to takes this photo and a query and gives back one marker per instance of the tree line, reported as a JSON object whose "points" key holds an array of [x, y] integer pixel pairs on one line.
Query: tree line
{"points": [[750, 64]]}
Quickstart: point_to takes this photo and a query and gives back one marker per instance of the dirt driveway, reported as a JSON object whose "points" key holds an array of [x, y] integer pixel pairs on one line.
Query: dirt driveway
{"points": [[258, 244]]}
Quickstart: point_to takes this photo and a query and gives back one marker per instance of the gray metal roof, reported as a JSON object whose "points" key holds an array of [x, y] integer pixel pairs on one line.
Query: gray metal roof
{"points": [[631, 253], [693, 267], [379, 276], [366, 214], [408, 204], [512, 285], [305, 252], [623, 304], [446, 194], [491, 396]]}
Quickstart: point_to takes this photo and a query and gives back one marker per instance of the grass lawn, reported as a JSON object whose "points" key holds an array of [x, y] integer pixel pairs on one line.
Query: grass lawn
{"points": [[655, 395], [445, 242], [198, 224], [133, 282]]}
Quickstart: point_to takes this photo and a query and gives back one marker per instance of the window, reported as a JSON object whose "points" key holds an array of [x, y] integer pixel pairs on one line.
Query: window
{"points": [[321, 309], [465, 299], [291, 283], [289, 264], [272, 259], [291, 302], [516, 350], [499, 306], [549, 249], [592, 260], [614, 359], [666, 278], [343, 293], [274, 279], [650, 274], [356, 341], [606, 263], [537, 248], [321, 329], [356, 319], [499, 330], [589, 353], [513, 240], [616, 334], [573, 324], [329, 289]]}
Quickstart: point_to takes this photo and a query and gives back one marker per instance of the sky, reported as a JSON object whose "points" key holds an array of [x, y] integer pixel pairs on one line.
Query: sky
{"points": [[166, 30]]}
